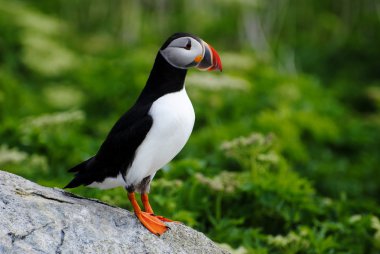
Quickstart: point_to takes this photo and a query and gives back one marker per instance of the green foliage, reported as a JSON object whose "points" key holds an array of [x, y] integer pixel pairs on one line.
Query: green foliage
{"points": [[280, 161]]}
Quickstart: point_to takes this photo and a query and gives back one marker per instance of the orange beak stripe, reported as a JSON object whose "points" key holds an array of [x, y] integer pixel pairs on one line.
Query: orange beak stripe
{"points": [[198, 58]]}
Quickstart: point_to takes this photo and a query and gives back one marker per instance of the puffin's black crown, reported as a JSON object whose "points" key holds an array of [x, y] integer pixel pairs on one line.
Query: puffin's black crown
{"points": [[176, 36]]}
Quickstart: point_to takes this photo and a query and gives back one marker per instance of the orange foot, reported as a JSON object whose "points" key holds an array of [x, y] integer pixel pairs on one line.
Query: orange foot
{"points": [[148, 219], [152, 223]]}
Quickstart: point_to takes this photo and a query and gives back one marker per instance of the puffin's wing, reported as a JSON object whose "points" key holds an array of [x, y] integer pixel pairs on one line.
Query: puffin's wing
{"points": [[117, 151]]}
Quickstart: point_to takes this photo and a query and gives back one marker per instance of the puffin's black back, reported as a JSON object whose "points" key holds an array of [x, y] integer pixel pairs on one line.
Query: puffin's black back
{"points": [[117, 152]]}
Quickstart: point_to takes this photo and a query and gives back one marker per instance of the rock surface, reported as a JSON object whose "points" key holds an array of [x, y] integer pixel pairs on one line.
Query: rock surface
{"points": [[36, 219]]}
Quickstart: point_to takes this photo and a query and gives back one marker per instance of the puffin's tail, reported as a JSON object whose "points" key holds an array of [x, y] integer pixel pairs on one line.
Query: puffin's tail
{"points": [[79, 170]]}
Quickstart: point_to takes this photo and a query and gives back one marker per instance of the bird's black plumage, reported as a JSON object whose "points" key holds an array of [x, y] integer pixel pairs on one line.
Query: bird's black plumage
{"points": [[117, 152]]}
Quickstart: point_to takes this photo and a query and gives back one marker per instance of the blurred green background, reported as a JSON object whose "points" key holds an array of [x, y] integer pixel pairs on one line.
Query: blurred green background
{"points": [[285, 151]]}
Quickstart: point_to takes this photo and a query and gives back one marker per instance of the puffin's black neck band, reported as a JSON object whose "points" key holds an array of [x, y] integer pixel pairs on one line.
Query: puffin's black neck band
{"points": [[163, 79]]}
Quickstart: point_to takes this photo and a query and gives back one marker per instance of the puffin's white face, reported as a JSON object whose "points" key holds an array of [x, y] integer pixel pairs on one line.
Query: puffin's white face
{"points": [[184, 52]]}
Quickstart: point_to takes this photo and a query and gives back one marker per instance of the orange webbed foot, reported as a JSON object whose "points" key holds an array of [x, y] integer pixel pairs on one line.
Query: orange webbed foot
{"points": [[148, 219], [152, 223]]}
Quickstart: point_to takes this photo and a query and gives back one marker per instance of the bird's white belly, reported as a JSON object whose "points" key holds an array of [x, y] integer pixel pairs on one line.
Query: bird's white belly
{"points": [[173, 120]]}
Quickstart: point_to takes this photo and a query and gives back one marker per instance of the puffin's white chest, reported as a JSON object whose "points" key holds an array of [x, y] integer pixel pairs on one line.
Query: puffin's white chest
{"points": [[173, 120]]}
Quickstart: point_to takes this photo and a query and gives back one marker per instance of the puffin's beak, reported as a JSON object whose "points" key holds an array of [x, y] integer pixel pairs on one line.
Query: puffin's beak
{"points": [[210, 60]]}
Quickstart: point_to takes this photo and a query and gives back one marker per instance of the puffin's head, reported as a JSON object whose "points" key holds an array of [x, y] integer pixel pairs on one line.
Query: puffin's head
{"points": [[183, 50]]}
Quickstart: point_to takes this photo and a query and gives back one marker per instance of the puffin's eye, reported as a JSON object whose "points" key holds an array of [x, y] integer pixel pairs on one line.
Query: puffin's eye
{"points": [[188, 45]]}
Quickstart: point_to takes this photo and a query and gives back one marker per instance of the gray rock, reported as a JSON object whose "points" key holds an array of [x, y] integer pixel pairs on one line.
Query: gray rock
{"points": [[36, 219]]}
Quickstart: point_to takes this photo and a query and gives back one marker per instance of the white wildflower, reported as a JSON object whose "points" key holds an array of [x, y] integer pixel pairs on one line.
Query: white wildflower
{"points": [[253, 139], [225, 181], [290, 239], [31, 19], [215, 82], [11, 155], [61, 96], [355, 218], [234, 61], [55, 119], [375, 223], [327, 201], [42, 51], [269, 157], [46, 56]]}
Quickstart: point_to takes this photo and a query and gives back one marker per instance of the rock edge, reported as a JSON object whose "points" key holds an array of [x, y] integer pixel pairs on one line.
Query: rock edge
{"points": [[37, 219]]}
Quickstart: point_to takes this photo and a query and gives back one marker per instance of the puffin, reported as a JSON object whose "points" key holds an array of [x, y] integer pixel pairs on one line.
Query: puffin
{"points": [[153, 131]]}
